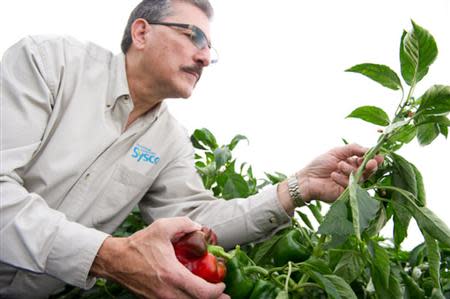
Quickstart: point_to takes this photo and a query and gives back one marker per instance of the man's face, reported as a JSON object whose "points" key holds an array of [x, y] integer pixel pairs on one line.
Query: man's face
{"points": [[171, 57]]}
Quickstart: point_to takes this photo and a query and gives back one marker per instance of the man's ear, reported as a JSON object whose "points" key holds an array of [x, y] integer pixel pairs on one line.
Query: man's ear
{"points": [[139, 28]]}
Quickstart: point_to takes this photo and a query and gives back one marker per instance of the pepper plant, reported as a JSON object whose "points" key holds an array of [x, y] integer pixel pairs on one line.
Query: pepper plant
{"points": [[349, 258], [346, 257]]}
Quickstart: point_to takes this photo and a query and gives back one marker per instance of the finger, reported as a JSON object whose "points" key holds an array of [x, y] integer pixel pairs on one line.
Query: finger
{"points": [[197, 287], [176, 226], [352, 150], [224, 296], [371, 167], [339, 179], [346, 168], [379, 159], [355, 161]]}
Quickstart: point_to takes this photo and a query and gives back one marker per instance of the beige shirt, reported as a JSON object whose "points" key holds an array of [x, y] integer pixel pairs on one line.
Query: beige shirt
{"points": [[70, 174]]}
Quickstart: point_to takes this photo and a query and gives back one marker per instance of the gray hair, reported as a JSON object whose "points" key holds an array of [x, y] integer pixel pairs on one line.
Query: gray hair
{"points": [[155, 11]]}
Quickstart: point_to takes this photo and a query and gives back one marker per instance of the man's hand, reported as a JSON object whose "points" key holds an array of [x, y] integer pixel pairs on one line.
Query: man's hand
{"points": [[146, 264], [326, 177]]}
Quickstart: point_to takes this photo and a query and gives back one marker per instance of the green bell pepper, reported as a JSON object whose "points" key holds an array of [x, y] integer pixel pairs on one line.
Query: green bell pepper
{"points": [[291, 247], [264, 290], [239, 284]]}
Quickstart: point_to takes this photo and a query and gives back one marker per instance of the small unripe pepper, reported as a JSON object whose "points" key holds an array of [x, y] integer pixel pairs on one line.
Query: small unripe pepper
{"points": [[239, 283], [192, 251], [291, 247]]}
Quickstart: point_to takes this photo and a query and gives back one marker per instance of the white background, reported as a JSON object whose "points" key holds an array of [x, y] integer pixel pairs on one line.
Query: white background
{"points": [[280, 80]]}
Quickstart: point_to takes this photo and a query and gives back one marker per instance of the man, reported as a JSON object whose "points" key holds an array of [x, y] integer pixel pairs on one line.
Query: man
{"points": [[86, 136]]}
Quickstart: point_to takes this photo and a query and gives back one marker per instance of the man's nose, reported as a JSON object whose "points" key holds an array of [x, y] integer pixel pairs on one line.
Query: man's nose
{"points": [[203, 57]]}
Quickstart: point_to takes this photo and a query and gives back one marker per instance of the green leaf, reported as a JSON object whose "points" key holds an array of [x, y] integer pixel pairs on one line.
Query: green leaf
{"points": [[336, 221], [315, 210], [378, 223], [401, 220], [342, 287], [404, 177], [404, 134], [416, 255], [203, 139], [430, 127], [431, 223], [221, 156], [435, 100], [425, 218], [326, 284], [371, 114], [236, 140], [208, 170], [282, 295], [379, 73], [318, 265], [209, 157], [363, 207], [354, 207], [412, 289], [426, 119], [261, 250], [235, 186], [318, 205], [380, 264], [443, 129], [276, 177], [350, 266], [418, 51], [395, 126], [421, 197], [305, 219], [427, 133], [437, 294], [367, 206], [434, 259], [393, 290]]}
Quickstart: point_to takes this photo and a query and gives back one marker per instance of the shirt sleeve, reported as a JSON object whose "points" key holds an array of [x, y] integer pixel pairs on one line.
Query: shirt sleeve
{"points": [[179, 190], [34, 236]]}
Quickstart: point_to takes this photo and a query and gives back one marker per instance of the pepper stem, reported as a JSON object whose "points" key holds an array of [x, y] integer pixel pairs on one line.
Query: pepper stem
{"points": [[219, 252]]}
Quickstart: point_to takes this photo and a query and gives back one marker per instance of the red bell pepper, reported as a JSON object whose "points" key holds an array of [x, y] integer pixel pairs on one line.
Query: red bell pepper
{"points": [[192, 251]]}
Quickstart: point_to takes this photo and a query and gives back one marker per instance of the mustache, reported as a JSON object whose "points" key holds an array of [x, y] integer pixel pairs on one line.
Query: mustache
{"points": [[193, 69]]}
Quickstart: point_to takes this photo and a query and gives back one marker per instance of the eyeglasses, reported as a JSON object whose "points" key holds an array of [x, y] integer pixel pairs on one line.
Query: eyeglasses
{"points": [[197, 37]]}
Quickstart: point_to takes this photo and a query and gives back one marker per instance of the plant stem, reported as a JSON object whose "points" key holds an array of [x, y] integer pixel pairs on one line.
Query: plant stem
{"points": [[286, 286], [309, 285], [400, 106], [256, 269], [317, 251], [369, 155]]}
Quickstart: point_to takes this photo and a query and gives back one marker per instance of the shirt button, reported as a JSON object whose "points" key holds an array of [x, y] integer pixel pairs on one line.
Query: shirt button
{"points": [[273, 220], [126, 98], [87, 176]]}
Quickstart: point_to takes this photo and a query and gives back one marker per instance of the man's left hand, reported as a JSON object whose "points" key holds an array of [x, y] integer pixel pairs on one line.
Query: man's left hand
{"points": [[326, 177]]}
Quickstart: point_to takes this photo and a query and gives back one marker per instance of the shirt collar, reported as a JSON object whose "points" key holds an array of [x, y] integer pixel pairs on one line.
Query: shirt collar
{"points": [[119, 86], [118, 79]]}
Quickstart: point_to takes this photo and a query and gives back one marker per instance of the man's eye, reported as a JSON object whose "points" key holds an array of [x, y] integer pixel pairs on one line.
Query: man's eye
{"points": [[189, 34]]}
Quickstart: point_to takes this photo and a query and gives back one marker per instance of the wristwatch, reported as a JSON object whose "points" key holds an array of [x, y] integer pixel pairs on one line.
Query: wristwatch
{"points": [[294, 192]]}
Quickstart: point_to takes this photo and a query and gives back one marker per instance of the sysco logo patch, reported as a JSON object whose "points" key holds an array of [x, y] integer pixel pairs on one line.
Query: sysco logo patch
{"points": [[144, 154]]}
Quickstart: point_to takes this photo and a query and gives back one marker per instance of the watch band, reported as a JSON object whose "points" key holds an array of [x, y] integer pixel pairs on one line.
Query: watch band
{"points": [[294, 192]]}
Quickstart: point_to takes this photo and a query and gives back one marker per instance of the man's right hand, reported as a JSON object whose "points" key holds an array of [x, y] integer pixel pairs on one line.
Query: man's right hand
{"points": [[146, 264]]}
